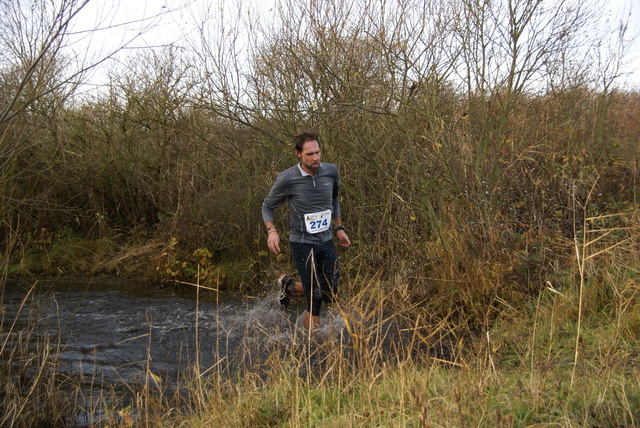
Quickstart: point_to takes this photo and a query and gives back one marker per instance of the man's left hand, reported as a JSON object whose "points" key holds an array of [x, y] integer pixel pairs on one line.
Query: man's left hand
{"points": [[343, 238]]}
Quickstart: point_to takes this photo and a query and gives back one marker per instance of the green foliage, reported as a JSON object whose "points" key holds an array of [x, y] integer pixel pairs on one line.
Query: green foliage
{"points": [[196, 269]]}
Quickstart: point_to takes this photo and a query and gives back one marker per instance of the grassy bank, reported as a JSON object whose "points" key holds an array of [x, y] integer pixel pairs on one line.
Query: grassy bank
{"points": [[566, 358], [533, 367]]}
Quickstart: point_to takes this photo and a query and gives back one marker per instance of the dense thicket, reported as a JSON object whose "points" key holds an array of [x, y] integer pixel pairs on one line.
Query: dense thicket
{"points": [[472, 138]]}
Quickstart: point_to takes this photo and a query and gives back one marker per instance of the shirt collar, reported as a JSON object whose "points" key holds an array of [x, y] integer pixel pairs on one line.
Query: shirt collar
{"points": [[305, 173]]}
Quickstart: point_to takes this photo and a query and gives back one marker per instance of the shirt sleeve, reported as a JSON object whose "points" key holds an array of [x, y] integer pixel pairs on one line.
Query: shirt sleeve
{"points": [[275, 198]]}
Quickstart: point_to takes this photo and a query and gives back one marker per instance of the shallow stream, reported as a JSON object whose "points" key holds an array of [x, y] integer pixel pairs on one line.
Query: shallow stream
{"points": [[114, 332]]}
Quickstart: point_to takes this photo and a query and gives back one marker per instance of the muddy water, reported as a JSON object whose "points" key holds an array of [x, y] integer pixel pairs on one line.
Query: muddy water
{"points": [[114, 332]]}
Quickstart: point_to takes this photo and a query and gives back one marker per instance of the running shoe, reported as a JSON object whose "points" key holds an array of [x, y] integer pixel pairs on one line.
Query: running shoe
{"points": [[285, 289]]}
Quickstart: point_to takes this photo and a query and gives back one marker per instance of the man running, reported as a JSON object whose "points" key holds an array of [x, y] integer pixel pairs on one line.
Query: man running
{"points": [[312, 189]]}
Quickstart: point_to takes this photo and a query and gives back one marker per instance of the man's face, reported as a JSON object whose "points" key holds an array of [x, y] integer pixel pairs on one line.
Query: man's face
{"points": [[310, 156]]}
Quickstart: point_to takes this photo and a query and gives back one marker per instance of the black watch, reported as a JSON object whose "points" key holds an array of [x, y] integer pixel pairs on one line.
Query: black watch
{"points": [[341, 227]]}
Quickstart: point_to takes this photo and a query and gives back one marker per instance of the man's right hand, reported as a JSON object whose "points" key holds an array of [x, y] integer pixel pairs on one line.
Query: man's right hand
{"points": [[273, 242]]}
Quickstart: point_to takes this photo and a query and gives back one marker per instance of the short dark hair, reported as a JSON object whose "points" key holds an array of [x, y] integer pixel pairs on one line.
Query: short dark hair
{"points": [[302, 138]]}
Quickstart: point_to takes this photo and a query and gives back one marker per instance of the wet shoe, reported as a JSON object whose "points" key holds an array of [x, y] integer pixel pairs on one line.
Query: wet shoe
{"points": [[285, 289]]}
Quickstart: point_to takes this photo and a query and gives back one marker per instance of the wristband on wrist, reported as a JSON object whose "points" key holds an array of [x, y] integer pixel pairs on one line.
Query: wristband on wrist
{"points": [[271, 229], [341, 227]]}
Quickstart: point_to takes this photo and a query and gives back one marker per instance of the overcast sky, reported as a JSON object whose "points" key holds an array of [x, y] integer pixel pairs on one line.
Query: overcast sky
{"points": [[632, 6], [167, 21]]}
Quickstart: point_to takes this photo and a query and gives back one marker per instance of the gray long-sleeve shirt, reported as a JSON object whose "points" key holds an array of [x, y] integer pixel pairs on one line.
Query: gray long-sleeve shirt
{"points": [[306, 194]]}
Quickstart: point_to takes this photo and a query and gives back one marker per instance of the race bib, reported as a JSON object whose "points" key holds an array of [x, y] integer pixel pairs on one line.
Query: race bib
{"points": [[318, 222]]}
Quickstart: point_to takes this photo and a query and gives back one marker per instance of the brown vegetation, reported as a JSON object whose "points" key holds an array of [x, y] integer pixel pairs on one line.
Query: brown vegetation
{"points": [[477, 150]]}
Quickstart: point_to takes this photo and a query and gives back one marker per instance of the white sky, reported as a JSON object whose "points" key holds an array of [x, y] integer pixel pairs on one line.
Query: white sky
{"points": [[632, 7], [167, 21]]}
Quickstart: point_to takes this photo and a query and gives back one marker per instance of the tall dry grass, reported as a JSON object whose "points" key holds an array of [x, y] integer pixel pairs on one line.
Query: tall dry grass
{"points": [[567, 357], [35, 390]]}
